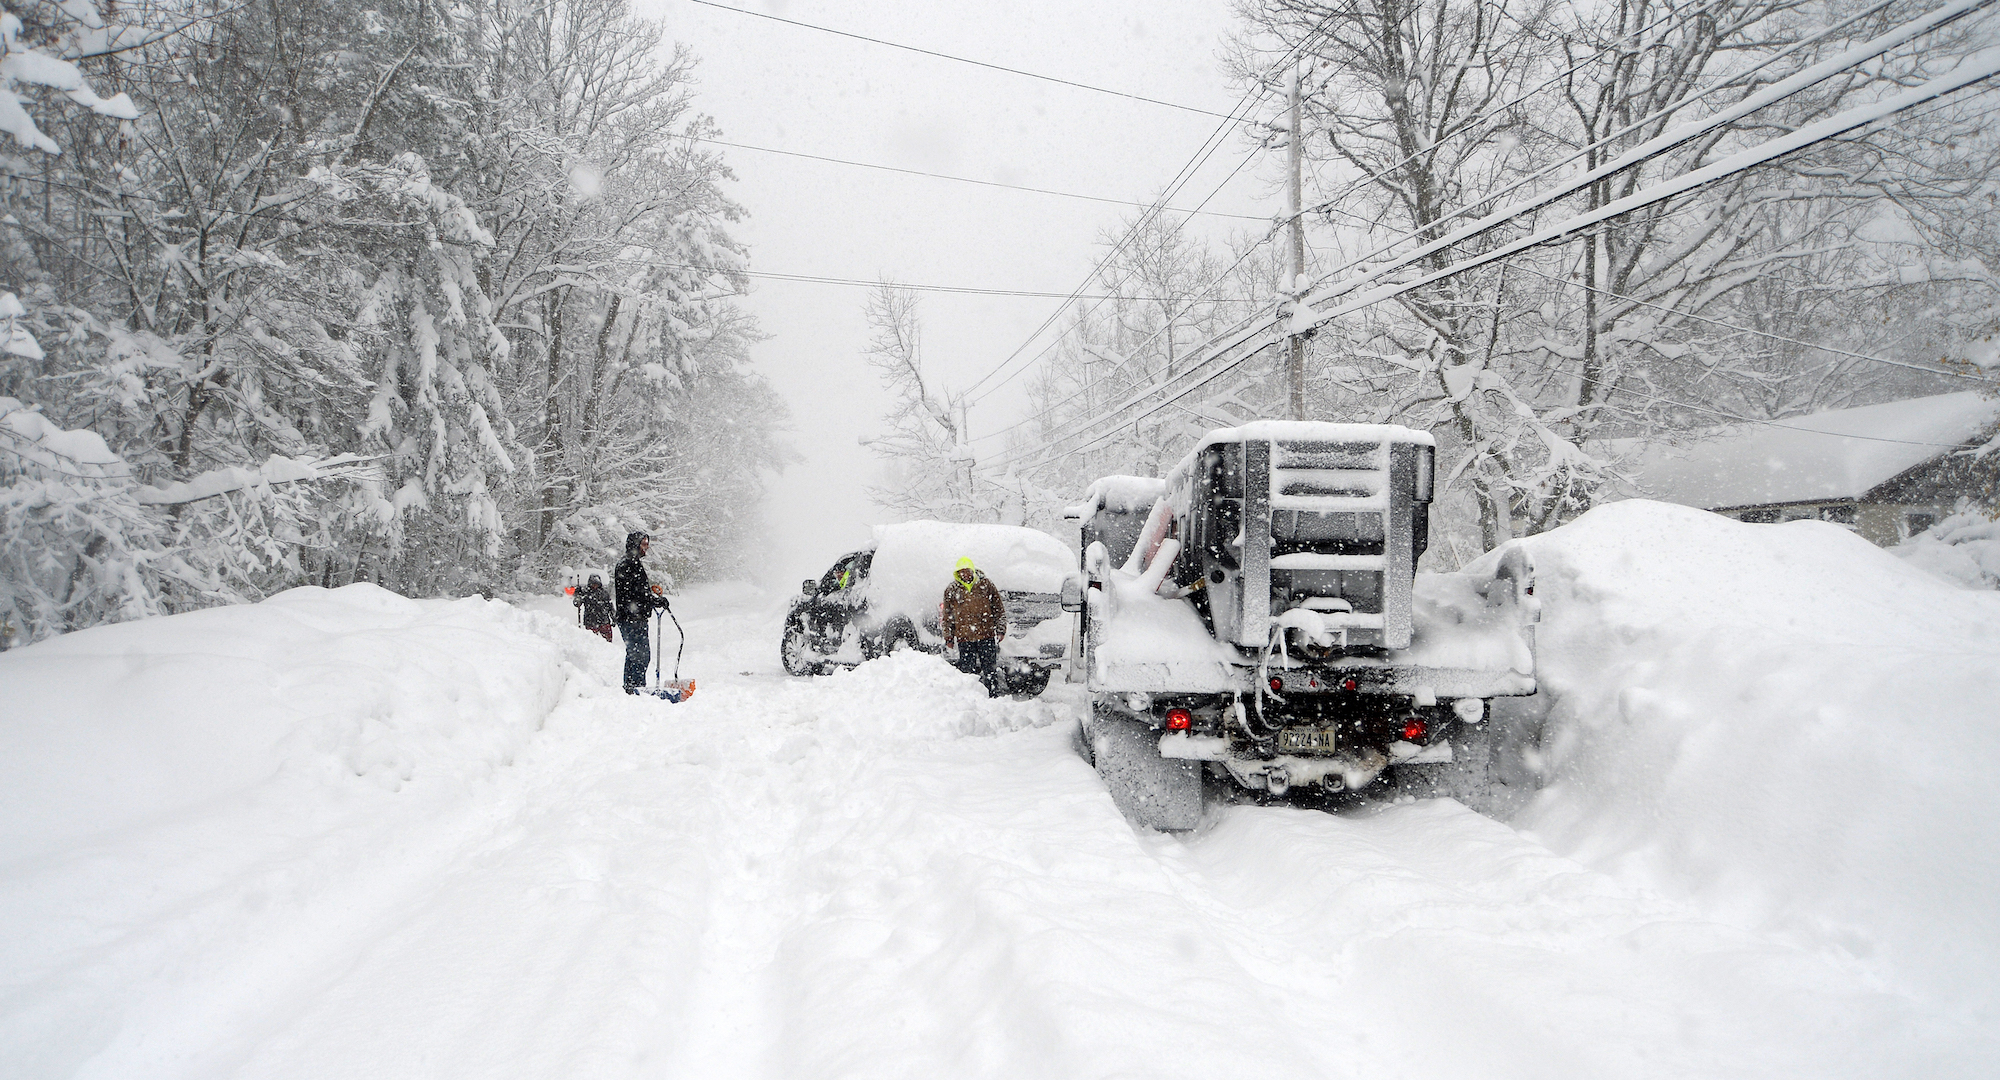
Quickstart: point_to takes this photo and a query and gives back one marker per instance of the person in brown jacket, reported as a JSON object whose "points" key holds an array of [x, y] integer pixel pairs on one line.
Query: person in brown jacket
{"points": [[973, 617]]}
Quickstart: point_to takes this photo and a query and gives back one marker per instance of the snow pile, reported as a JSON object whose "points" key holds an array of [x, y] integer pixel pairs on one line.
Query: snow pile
{"points": [[1783, 724], [117, 727], [1963, 549], [914, 561], [1150, 642], [915, 695], [1468, 620]]}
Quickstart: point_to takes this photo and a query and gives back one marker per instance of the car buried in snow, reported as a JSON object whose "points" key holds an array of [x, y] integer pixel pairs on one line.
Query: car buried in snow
{"points": [[1257, 617], [885, 597]]}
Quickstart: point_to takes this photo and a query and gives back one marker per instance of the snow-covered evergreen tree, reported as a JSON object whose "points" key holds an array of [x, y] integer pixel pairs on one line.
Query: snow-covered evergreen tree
{"points": [[429, 295]]}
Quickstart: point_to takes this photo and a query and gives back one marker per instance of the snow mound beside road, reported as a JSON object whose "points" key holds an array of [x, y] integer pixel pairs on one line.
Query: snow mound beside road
{"points": [[119, 726], [1782, 723], [1964, 549], [915, 695]]}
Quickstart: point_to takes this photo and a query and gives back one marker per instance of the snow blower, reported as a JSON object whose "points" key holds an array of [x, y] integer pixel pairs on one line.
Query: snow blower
{"points": [[676, 689]]}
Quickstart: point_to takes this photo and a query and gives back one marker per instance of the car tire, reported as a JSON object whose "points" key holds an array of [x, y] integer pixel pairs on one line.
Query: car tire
{"points": [[1029, 683], [796, 651]]}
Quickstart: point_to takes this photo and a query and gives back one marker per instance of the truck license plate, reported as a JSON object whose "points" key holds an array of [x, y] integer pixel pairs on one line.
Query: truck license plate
{"points": [[1308, 740]]}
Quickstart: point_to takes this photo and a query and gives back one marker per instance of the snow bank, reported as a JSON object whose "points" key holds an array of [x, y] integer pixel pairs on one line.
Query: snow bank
{"points": [[1782, 723], [119, 727], [917, 696], [1964, 549]]}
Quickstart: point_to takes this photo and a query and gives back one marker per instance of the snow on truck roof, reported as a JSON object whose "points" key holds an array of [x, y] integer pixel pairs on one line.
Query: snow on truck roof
{"points": [[1315, 431], [1840, 454], [914, 560], [1303, 431], [1118, 494]]}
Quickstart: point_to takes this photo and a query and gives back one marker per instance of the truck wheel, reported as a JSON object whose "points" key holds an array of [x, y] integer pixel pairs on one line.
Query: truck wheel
{"points": [[796, 651], [1160, 793]]}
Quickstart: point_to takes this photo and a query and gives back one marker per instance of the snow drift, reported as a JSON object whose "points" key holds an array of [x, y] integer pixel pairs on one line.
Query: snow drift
{"points": [[1782, 723], [122, 726], [1964, 549]]}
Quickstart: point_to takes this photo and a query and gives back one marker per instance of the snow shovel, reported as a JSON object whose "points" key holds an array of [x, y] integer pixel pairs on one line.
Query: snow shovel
{"points": [[676, 689]]}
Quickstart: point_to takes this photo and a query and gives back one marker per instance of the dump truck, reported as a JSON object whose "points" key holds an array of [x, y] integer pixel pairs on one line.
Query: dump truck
{"points": [[1255, 618]]}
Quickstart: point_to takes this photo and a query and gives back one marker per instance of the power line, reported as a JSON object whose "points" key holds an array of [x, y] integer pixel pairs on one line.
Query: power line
{"points": [[1469, 125], [960, 179], [821, 279], [1664, 111], [1926, 369], [825, 279], [960, 59], [1809, 76], [1167, 326], [1966, 74], [1186, 173], [1619, 388]]}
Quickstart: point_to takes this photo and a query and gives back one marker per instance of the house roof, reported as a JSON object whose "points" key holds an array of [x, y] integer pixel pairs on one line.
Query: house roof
{"points": [[1839, 454]]}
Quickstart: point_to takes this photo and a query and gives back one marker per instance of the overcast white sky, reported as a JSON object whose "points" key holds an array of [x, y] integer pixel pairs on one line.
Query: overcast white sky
{"points": [[773, 85]]}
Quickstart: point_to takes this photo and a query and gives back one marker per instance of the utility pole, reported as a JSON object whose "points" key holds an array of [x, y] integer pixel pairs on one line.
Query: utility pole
{"points": [[1298, 260]]}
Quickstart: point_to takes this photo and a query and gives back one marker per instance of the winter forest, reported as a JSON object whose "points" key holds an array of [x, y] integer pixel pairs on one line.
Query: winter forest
{"points": [[1180, 539], [444, 296], [435, 296]]}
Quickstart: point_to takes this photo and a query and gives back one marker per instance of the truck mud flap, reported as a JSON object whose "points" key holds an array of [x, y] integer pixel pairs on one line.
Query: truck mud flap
{"points": [[1157, 792]]}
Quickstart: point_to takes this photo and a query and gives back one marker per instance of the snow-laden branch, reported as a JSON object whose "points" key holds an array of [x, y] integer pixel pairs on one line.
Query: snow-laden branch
{"points": [[233, 478], [23, 66]]}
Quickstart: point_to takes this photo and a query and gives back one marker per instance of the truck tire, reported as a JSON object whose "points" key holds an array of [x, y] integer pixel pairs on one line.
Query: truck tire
{"points": [[1157, 792]]}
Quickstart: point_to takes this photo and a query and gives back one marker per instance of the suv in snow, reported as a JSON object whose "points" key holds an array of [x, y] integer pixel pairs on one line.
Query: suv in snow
{"points": [[886, 596]]}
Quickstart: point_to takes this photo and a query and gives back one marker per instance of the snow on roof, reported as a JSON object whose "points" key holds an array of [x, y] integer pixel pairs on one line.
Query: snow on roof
{"points": [[1301, 431], [914, 562], [1317, 431], [1840, 454], [1118, 494]]}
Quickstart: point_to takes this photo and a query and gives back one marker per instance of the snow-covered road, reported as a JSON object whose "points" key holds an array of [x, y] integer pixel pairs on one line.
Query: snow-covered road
{"points": [[877, 873]]}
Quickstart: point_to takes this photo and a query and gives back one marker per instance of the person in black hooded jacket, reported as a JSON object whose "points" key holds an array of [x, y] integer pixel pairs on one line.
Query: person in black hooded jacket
{"points": [[636, 599], [594, 607]]}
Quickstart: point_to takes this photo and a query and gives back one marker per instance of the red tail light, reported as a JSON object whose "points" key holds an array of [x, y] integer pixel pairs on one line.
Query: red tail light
{"points": [[1348, 684], [1277, 684], [1414, 730], [1179, 719]]}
